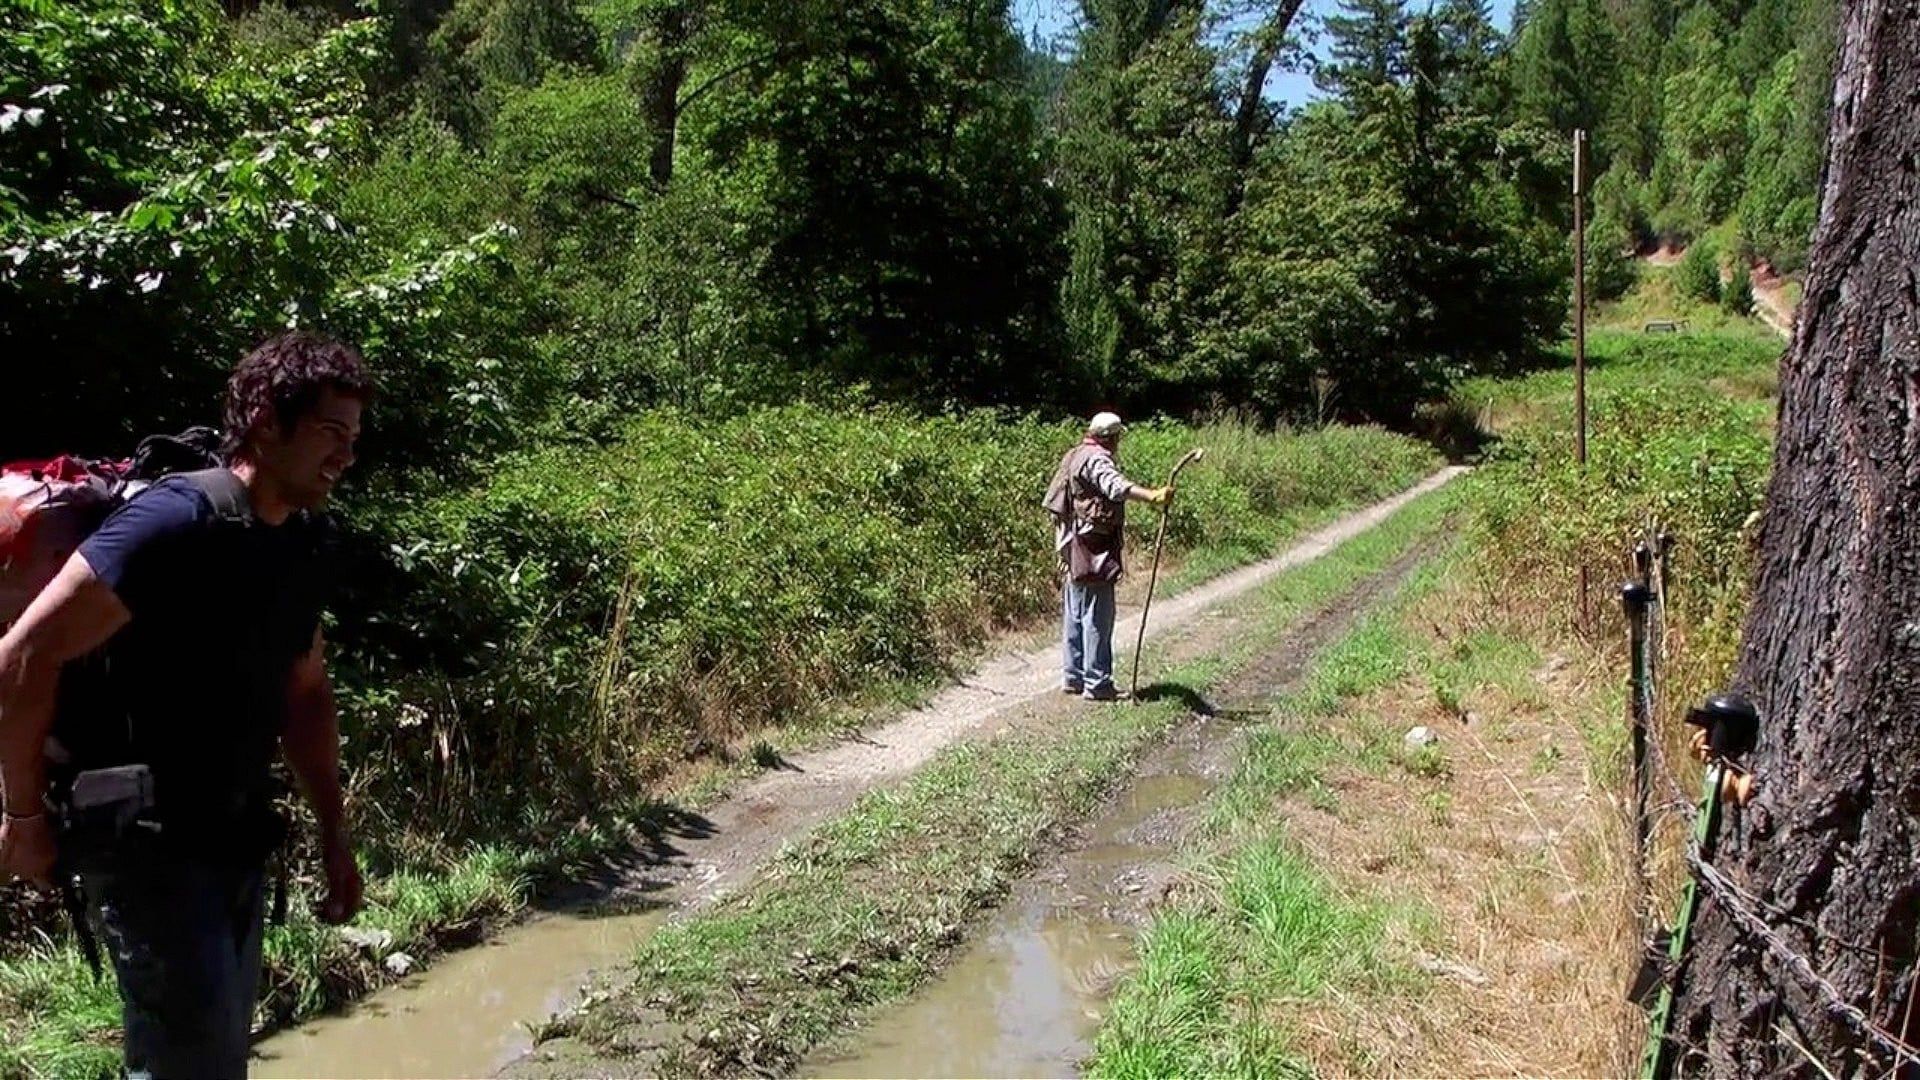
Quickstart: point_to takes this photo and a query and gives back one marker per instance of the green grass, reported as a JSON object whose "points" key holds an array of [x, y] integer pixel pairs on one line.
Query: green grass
{"points": [[1740, 369], [1263, 927], [309, 967], [77, 1028], [1289, 758], [1478, 658], [1680, 437], [1274, 929], [1253, 492], [603, 614], [1656, 295], [864, 908]]}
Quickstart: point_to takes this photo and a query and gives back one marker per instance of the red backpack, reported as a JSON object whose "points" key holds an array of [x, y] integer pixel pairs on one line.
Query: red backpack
{"points": [[48, 507]]}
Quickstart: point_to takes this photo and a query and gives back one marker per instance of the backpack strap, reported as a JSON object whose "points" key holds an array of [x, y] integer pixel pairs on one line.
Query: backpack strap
{"points": [[165, 455], [225, 491], [75, 906]]}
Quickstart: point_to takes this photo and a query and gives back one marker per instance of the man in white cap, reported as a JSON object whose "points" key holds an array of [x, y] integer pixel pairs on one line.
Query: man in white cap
{"points": [[1087, 500]]}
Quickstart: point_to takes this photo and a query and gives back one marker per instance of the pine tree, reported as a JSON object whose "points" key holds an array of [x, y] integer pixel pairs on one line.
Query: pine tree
{"points": [[1368, 48], [1146, 163], [1697, 175], [1736, 296], [1565, 70]]}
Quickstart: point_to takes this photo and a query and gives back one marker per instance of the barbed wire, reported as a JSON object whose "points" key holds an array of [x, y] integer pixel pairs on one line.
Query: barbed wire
{"points": [[1812, 928], [1656, 634], [1733, 901], [1746, 911], [1693, 1048]]}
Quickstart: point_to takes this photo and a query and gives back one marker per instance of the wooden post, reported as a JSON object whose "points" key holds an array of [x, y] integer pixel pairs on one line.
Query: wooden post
{"points": [[1580, 327], [1580, 290]]}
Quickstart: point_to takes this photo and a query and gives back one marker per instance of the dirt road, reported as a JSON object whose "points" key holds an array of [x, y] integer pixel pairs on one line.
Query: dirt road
{"points": [[1770, 300], [423, 1029]]}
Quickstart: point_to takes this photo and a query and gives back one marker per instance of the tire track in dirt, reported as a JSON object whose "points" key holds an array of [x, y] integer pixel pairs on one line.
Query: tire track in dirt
{"points": [[1025, 995], [749, 828], [767, 812], [690, 860]]}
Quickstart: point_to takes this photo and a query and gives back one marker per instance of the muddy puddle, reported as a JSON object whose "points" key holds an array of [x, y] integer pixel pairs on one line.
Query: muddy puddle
{"points": [[468, 1016], [1026, 995], [1022, 999]]}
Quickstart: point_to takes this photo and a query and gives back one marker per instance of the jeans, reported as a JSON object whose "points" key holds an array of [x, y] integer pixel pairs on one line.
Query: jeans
{"points": [[1086, 631], [184, 937]]}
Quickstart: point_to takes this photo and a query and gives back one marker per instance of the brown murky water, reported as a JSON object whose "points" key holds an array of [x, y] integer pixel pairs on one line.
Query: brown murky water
{"points": [[1026, 996], [468, 1015]]}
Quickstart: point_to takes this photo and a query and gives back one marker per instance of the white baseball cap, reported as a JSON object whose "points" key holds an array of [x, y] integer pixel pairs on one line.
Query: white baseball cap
{"points": [[1105, 424]]}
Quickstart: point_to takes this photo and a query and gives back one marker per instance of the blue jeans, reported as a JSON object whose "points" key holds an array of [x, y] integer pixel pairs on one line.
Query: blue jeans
{"points": [[184, 937], [1086, 630]]}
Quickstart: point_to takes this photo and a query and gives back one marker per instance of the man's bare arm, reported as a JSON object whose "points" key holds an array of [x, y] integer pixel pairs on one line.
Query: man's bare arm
{"points": [[72, 616], [311, 746], [312, 740]]}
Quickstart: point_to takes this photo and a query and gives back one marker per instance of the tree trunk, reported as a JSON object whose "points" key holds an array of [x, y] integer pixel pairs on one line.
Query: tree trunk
{"points": [[1249, 118], [1831, 655], [661, 91]]}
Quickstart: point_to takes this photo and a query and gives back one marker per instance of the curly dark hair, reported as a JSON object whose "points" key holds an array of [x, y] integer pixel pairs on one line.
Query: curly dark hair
{"points": [[287, 373]]}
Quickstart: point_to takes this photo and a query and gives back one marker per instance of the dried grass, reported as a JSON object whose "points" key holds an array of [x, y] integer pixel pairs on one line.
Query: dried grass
{"points": [[1526, 869]]}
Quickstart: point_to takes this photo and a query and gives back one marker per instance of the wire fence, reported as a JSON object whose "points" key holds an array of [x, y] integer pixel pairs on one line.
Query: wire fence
{"points": [[1662, 806]]}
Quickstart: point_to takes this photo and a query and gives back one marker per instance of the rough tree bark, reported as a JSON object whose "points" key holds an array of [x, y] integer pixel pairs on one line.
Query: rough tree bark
{"points": [[1831, 654]]}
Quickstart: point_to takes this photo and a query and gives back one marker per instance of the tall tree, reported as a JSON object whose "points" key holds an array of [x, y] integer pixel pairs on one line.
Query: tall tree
{"points": [[485, 51], [1367, 47], [1252, 116], [1633, 122], [1696, 175], [660, 60], [1379, 236], [1832, 651], [1566, 63], [1777, 201], [891, 157], [1144, 161]]}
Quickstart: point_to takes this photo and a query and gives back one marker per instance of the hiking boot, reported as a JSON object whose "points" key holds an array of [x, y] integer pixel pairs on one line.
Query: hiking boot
{"points": [[1109, 694], [1071, 689]]}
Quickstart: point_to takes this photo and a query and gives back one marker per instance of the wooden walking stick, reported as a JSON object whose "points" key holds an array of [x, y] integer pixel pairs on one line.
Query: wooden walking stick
{"points": [[1159, 538]]}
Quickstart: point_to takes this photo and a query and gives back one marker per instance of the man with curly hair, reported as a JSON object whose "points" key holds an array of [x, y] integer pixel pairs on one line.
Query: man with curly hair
{"points": [[176, 653]]}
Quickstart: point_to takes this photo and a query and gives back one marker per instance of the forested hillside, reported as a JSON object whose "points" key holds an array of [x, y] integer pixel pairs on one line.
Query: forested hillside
{"points": [[1704, 113], [724, 346], [540, 215], [569, 233]]}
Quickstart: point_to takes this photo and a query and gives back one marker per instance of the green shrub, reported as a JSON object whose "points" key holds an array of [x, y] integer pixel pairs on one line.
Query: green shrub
{"points": [[1737, 297], [1698, 274], [588, 616], [1679, 440]]}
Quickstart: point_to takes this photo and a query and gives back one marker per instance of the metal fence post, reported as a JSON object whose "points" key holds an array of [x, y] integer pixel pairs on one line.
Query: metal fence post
{"points": [[1637, 599], [1729, 727]]}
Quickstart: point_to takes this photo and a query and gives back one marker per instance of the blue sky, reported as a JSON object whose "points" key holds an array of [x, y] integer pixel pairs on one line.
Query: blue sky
{"points": [[1053, 18]]}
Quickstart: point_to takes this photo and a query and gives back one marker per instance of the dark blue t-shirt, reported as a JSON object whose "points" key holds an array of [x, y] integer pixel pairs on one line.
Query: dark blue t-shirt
{"points": [[195, 684]]}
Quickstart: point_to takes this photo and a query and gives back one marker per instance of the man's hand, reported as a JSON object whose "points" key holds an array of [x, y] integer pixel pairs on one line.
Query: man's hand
{"points": [[343, 879], [1160, 496], [26, 849]]}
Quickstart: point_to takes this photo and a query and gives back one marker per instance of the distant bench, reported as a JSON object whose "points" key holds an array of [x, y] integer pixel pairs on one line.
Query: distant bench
{"points": [[1665, 326]]}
